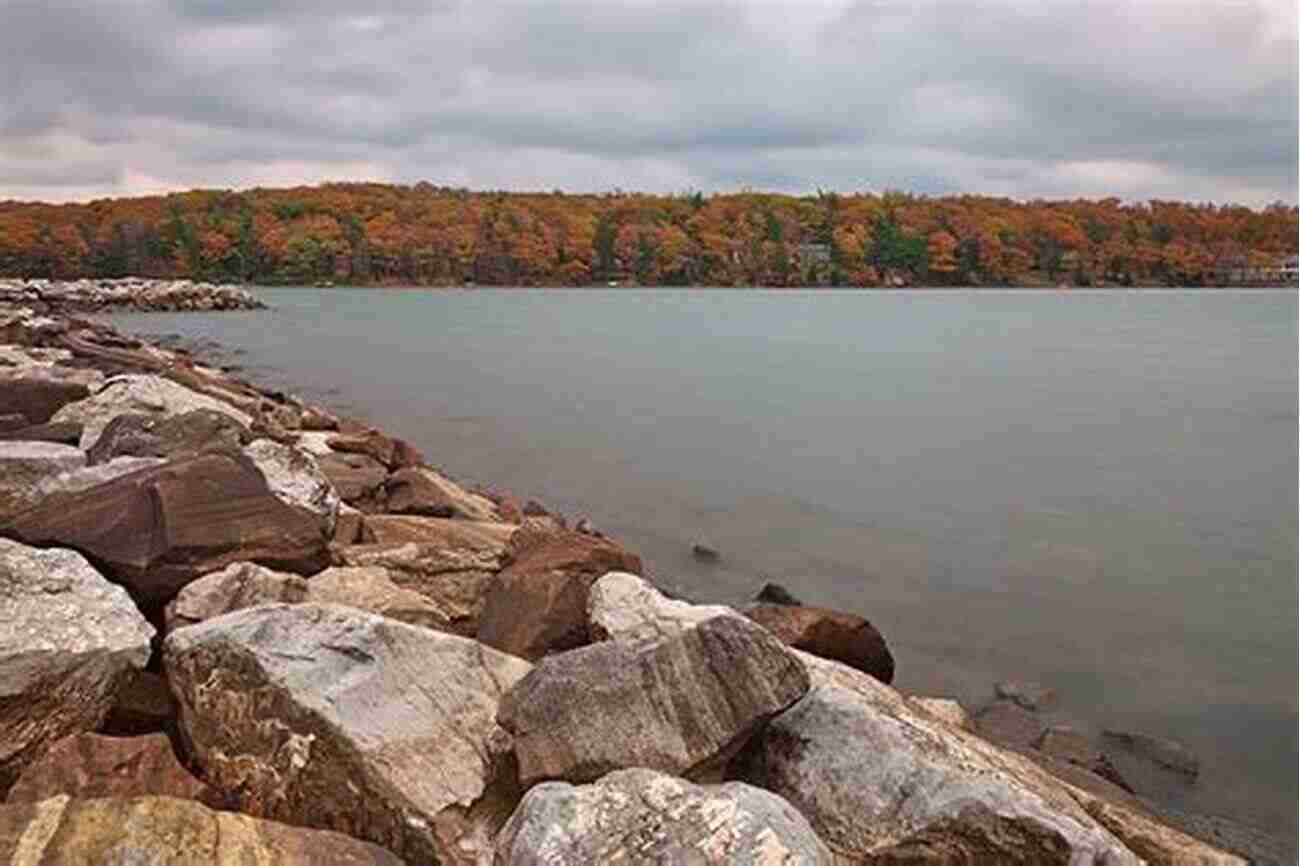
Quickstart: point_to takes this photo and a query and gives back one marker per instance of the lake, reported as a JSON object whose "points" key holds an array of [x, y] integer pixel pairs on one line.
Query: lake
{"points": [[1094, 489]]}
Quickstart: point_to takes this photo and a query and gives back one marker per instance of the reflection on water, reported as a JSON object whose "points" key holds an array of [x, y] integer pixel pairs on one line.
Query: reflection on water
{"points": [[1097, 490]]}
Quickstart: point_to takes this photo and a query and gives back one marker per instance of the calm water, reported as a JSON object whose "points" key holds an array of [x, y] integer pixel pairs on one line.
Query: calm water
{"points": [[1094, 489]]}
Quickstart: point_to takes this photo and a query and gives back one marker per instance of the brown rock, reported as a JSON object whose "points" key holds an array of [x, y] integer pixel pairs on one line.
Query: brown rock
{"points": [[831, 634], [317, 419], [135, 434], [1068, 744], [65, 433], [420, 490], [92, 765], [348, 525], [358, 479], [235, 587], [1028, 694], [61, 831], [538, 604], [371, 589], [157, 529], [392, 453], [474, 536], [37, 397], [1008, 724]]}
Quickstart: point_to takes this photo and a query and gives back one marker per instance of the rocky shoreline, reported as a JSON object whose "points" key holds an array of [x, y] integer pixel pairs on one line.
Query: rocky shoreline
{"points": [[125, 295], [237, 628]]}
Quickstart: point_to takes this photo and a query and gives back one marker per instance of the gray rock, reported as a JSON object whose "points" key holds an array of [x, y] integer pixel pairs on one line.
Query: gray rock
{"points": [[639, 816], [1168, 753], [775, 593], [236, 587], [682, 706], [628, 609], [68, 640], [24, 465], [139, 435], [881, 782], [1030, 695], [90, 476], [294, 478], [329, 717], [149, 395]]}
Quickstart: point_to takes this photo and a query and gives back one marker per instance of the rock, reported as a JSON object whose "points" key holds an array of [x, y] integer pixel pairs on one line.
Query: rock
{"points": [[392, 453], [90, 476], [68, 639], [1030, 695], [138, 394], [945, 710], [238, 586], [1156, 843], [882, 783], [1167, 753], [775, 593], [628, 609], [24, 465], [91, 765], [642, 817], [538, 603], [831, 634], [585, 526], [358, 479], [134, 434], [488, 542], [420, 490], [37, 396], [61, 831], [347, 525], [682, 706], [371, 589], [1009, 724], [144, 705], [65, 433], [294, 478], [1068, 744], [315, 418], [329, 717], [156, 529], [705, 552]]}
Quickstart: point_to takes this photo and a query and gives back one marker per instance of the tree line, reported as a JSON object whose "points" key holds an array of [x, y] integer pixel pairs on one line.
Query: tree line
{"points": [[364, 234]]}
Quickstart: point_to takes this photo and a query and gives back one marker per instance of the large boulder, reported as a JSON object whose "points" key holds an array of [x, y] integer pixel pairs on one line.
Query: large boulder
{"points": [[883, 783], [682, 706], [156, 529], [421, 490], [296, 480], [538, 603], [134, 434], [628, 609], [330, 717], [68, 639], [640, 817], [831, 634], [91, 765], [138, 394], [62, 831], [24, 465]]}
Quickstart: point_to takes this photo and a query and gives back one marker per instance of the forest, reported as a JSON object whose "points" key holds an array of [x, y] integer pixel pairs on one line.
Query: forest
{"points": [[421, 234]]}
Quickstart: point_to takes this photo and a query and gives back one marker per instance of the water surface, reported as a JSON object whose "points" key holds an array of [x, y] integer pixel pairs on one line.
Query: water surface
{"points": [[1094, 489]]}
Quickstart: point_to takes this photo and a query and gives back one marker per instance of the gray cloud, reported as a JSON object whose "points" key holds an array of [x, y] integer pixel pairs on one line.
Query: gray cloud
{"points": [[1177, 98]]}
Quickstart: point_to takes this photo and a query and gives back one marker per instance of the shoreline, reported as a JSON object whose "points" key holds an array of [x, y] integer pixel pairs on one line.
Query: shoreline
{"points": [[271, 416]]}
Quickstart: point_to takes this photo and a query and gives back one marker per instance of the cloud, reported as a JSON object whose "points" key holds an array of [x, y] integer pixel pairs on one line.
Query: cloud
{"points": [[1171, 98]]}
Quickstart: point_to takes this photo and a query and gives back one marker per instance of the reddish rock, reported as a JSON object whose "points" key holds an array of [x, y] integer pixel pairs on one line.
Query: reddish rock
{"points": [[315, 418], [831, 634], [348, 525], [37, 398], [64, 433], [92, 765], [420, 490], [538, 604], [156, 529], [470, 535], [358, 479], [392, 453]]}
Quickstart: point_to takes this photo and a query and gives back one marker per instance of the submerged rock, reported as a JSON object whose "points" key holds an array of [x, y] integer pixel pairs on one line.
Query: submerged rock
{"points": [[1030, 695], [640, 817], [1165, 752]]}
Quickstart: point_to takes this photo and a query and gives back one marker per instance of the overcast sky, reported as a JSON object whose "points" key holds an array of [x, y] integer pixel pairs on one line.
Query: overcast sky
{"points": [[1050, 98]]}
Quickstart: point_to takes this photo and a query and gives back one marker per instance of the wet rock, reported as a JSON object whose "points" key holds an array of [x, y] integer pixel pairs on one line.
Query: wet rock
{"points": [[642, 817], [1069, 744], [24, 465], [1009, 724], [1165, 752], [682, 706], [358, 479], [68, 639], [420, 490], [329, 717], [538, 603], [705, 552], [775, 593], [156, 529], [92, 765], [139, 435], [1030, 695], [62, 831], [238, 586], [882, 783], [138, 394], [628, 609], [831, 634]]}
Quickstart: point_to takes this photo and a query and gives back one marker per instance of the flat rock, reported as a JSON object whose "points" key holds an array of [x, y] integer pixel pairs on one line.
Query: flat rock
{"points": [[487, 542], [138, 394], [68, 639], [62, 831], [681, 706], [24, 465], [91, 765], [640, 816], [135, 434], [831, 634], [1165, 752], [883, 783], [538, 603], [392, 453], [156, 529], [371, 588], [1030, 695], [238, 586], [329, 717], [628, 609], [421, 490]]}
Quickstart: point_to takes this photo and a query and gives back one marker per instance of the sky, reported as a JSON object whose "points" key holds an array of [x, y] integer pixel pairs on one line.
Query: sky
{"points": [[1143, 99]]}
